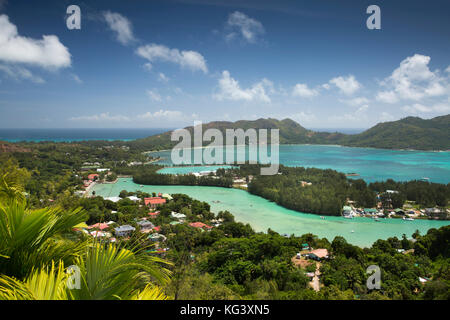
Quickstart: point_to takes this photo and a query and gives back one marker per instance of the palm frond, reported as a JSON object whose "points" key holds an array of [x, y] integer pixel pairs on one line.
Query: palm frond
{"points": [[150, 292], [45, 284]]}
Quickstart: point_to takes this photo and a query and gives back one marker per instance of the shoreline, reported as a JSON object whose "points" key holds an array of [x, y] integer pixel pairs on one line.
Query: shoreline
{"points": [[324, 145], [246, 191], [262, 214]]}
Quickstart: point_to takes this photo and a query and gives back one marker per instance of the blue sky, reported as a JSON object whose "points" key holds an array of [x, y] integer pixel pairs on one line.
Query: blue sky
{"points": [[162, 64]]}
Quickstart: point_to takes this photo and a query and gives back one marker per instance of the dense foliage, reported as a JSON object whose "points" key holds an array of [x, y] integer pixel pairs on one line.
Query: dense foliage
{"points": [[328, 190], [407, 133]]}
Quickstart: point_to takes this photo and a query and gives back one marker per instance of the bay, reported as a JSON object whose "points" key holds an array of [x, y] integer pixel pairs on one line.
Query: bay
{"points": [[262, 214], [369, 163]]}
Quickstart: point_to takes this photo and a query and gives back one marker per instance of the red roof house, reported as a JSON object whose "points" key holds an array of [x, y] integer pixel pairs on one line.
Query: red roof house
{"points": [[93, 176], [154, 201], [153, 214], [199, 225], [157, 229], [100, 226]]}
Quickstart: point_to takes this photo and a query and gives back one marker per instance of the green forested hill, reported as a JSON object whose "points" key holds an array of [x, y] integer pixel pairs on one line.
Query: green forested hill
{"points": [[407, 133]]}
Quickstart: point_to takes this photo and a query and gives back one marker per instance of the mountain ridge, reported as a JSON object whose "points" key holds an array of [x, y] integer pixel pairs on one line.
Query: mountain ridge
{"points": [[406, 133]]}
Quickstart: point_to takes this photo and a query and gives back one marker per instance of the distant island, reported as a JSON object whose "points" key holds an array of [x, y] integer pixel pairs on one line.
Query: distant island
{"points": [[408, 133]]}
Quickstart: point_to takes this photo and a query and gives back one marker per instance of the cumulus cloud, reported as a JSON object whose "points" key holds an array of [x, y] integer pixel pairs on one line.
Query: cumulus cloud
{"points": [[302, 90], [347, 85], [413, 80], [387, 97], [229, 89], [241, 24], [47, 52], [121, 26], [19, 73], [420, 108], [186, 59]]}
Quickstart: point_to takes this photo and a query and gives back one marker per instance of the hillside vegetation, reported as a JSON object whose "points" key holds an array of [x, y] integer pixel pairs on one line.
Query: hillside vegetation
{"points": [[407, 133]]}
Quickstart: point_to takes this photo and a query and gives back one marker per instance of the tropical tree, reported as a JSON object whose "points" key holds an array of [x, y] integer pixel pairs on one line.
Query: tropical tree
{"points": [[33, 238], [37, 244], [103, 278]]}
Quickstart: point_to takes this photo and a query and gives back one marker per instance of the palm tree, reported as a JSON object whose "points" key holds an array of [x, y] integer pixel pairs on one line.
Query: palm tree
{"points": [[35, 248], [32, 238], [106, 273]]}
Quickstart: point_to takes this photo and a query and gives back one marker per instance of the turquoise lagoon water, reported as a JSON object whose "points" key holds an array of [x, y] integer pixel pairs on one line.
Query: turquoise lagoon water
{"points": [[186, 170], [262, 214], [371, 164]]}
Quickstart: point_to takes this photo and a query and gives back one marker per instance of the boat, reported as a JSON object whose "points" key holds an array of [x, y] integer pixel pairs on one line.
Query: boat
{"points": [[408, 219], [352, 231], [348, 217]]}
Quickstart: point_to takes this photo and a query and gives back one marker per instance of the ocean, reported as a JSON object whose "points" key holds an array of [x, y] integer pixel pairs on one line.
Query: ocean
{"points": [[109, 134], [69, 135], [369, 163]]}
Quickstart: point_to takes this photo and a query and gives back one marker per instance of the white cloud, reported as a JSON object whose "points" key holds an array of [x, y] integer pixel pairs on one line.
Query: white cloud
{"points": [[106, 117], [19, 73], [186, 59], [163, 78], [229, 89], [413, 80], [249, 28], [420, 108], [154, 95], [347, 85], [47, 52], [302, 90], [121, 26], [387, 96], [355, 102]]}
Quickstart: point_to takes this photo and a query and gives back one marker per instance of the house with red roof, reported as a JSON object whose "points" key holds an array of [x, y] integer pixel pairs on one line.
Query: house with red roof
{"points": [[200, 225], [100, 226], [153, 202], [153, 214], [93, 176]]}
